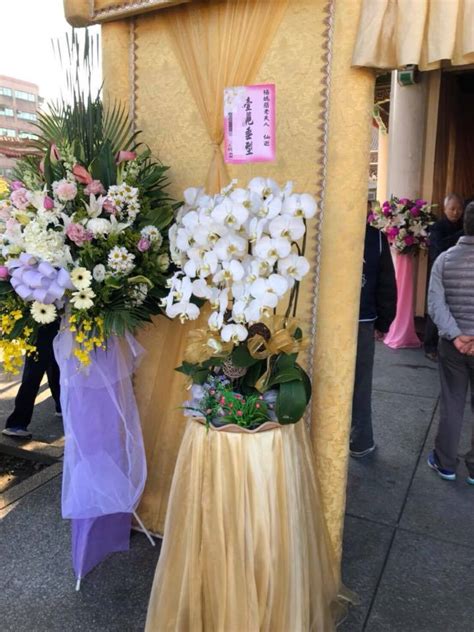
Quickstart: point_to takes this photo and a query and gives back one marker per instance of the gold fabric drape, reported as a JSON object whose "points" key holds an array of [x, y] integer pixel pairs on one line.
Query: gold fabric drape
{"points": [[219, 45], [246, 547], [395, 33]]}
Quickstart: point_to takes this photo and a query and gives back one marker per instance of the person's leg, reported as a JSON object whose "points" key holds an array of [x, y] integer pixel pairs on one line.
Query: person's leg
{"points": [[361, 432], [33, 372], [454, 374], [469, 457], [430, 340], [52, 368]]}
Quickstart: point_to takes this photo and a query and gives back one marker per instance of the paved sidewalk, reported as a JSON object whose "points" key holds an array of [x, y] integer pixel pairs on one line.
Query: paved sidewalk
{"points": [[409, 551], [409, 536]]}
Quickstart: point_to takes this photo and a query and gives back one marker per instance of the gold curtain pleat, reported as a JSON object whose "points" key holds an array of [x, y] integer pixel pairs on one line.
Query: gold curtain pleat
{"points": [[395, 33], [221, 44], [218, 44]]}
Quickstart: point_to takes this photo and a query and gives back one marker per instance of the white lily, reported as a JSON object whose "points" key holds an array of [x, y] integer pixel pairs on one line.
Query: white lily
{"points": [[116, 226], [94, 208], [287, 226], [294, 268], [234, 333], [303, 205]]}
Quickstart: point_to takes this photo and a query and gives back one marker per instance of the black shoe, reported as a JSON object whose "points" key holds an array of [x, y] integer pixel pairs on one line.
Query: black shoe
{"points": [[359, 454], [431, 355]]}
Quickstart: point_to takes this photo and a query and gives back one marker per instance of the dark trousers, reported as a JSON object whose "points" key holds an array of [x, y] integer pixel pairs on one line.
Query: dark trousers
{"points": [[33, 372], [456, 372], [430, 340], [361, 432]]}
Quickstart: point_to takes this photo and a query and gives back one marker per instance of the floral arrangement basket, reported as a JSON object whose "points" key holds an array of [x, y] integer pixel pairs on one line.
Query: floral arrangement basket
{"points": [[240, 252], [405, 222]]}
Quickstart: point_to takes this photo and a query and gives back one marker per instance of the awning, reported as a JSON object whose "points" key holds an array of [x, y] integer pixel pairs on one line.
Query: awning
{"points": [[396, 33]]}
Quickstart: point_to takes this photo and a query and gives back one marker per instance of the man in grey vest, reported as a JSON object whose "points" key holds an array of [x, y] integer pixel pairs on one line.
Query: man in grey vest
{"points": [[451, 306]]}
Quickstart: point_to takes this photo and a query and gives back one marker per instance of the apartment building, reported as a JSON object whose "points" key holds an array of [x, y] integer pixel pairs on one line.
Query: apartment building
{"points": [[19, 103]]}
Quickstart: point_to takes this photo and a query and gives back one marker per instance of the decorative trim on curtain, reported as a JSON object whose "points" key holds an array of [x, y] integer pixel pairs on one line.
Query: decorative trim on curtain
{"points": [[221, 44], [395, 33]]}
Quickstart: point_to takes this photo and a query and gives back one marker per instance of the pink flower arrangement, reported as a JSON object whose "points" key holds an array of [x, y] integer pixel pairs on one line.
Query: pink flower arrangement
{"points": [[4, 273], [48, 203], [143, 245], [123, 156], [405, 222], [78, 234]]}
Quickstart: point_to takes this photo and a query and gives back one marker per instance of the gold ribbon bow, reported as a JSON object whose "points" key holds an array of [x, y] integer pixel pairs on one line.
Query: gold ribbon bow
{"points": [[282, 340], [203, 345]]}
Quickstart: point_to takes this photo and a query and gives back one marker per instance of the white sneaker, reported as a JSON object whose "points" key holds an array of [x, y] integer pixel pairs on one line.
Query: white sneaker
{"points": [[17, 432], [58, 414]]}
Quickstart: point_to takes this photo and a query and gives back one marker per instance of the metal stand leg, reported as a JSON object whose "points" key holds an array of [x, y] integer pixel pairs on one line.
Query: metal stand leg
{"points": [[144, 529]]}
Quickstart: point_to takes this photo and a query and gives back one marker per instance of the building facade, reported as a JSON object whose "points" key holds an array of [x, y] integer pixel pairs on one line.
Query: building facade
{"points": [[19, 103]]}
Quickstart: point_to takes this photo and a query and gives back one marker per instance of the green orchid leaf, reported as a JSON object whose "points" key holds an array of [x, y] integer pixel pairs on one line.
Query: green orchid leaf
{"points": [[242, 358], [291, 402]]}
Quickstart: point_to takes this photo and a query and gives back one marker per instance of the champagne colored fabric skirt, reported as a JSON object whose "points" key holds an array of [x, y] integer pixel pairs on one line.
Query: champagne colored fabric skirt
{"points": [[245, 546]]}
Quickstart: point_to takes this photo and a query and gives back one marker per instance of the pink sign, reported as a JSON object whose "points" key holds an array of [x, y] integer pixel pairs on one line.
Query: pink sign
{"points": [[249, 123]]}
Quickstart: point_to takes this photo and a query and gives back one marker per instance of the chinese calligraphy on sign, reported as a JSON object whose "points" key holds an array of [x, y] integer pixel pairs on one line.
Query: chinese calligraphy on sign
{"points": [[249, 123]]}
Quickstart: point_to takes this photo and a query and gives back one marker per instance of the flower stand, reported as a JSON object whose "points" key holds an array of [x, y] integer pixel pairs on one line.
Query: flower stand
{"points": [[245, 544], [402, 332]]}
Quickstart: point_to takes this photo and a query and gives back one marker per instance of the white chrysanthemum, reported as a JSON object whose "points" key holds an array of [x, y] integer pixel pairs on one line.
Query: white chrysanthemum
{"points": [[99, 226], [82, 299], [81, 278], [43, 314], [99, 273], [120, 261]]}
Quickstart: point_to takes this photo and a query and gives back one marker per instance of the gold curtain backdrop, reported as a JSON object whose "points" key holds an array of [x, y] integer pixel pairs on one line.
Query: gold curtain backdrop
{"points": [[139, 63], [219, 45], [395, 33]]}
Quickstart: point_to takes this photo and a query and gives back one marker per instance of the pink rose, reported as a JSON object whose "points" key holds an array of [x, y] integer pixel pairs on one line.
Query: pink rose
{"points": [[78, 234], [409, 240], [122, 156], [16, 184], [4, 274], [4, 214], [109, 206], [393, 232], [95, 187], [81, 174], [415, 211], [65, 190], [48, 203], [19, 198], [143, 245]]}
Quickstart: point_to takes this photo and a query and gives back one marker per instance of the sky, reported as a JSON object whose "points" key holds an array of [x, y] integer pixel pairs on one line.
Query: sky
{"points": [[25, 42]]}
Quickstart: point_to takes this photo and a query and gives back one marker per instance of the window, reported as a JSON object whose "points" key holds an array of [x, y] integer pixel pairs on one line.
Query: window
{"points": [[27, 135], [26, 96], [5, 91], [6, 131], [5, 111], [26, 116]]}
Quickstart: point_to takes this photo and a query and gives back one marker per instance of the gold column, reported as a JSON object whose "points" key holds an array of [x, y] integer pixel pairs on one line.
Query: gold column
{"points": [[341, 265]]}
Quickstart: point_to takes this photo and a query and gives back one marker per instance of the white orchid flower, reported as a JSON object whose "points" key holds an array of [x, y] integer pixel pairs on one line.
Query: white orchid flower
{"points": [[231, 246], [190, 220], [230, 272], [192, 195], [264, 187], [238, 310], [292, 228], [269, 291], [185, 311], [294, 268], [231, 214], [272, 249], [215, 321], [200, 263], [256, 310], [201, 289], [269, 208], [184, 239], [234, 333], [303, 205], [256, 228]]}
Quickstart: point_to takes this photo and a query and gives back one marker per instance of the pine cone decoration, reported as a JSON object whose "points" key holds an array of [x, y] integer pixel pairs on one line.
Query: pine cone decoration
{"points": [[232, 371]]}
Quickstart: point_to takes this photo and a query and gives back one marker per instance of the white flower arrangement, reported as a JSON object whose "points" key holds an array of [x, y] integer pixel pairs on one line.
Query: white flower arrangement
{"points": [[239, 251]]}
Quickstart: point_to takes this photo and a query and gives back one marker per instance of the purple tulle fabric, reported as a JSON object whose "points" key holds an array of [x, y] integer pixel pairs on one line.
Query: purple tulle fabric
{"points": [[104, 459]]}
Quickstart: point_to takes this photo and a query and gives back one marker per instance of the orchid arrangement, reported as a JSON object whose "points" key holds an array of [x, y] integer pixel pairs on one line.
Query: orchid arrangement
{"points": [[405, 222], [241, 252]]}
